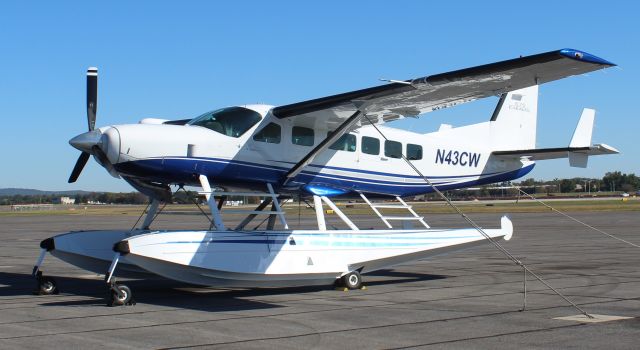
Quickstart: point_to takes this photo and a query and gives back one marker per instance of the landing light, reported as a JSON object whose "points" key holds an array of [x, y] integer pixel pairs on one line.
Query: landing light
{"points": [[324, 190]]}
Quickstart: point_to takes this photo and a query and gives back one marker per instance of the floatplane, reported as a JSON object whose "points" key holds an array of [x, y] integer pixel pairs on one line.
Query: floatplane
{"points": [[325, 148]]}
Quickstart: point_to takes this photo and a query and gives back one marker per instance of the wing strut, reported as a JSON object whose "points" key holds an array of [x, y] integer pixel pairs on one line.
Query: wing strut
{"points": [[333, 137]]}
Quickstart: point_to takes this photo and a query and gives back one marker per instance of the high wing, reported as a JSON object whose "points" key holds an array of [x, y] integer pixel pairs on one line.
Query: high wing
{"points": [[422, 95], [344, 112]]}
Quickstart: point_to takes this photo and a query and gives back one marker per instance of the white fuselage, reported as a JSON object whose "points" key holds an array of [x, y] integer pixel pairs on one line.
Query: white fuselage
{"points": [[450, 157]]}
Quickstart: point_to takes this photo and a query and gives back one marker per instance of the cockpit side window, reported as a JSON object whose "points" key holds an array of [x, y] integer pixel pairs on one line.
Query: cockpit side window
{"points": [[232, 121]]}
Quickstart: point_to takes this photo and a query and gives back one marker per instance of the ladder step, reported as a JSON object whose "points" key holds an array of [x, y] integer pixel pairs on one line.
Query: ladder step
{"points": [[257, 212], [249, 194], [402, 217], [391, 206]]}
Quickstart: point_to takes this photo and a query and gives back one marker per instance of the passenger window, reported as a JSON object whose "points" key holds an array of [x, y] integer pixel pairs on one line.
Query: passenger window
{"points": [[346, 142], [370, 145], [393, 149], [269, 134], [414, 152], [302, 136]]}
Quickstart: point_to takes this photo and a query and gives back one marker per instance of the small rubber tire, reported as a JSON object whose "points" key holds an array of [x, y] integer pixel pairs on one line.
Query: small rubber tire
{"points": [[123, 297], [47, 286], [352, 280]]}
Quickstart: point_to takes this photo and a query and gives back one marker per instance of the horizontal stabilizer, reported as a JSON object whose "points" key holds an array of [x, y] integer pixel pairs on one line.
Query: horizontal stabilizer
{"points": [[555, 153], [579, 149]]}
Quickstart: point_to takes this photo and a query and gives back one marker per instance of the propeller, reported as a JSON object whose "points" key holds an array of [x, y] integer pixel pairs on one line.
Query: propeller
{"points": [[92, 104], [80, 163]]}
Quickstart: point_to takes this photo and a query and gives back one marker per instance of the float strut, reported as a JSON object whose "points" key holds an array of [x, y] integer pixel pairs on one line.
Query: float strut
{"points": [[276, 206], [213, 206], [317, 203], [151, 214], [337, 210]]}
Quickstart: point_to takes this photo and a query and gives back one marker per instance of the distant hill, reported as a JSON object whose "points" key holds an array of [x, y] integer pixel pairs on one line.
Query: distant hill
{"points": [[33, 192]]}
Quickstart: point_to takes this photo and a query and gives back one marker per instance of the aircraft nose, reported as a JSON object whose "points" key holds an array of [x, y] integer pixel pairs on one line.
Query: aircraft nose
{"points": [[84, 142]]}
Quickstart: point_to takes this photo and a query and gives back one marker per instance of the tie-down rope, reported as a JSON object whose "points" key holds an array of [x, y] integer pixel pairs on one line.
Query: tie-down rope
{"points": [[479, 229], [574, 219]]}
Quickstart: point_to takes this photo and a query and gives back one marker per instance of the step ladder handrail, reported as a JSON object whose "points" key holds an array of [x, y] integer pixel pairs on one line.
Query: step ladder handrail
{"points": [[375, 210], [402, 205], [410, 209], [391, 206], [403, 217]]}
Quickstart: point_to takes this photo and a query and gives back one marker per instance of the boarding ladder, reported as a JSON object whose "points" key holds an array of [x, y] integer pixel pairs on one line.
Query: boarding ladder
{"points": [[386, 218]]}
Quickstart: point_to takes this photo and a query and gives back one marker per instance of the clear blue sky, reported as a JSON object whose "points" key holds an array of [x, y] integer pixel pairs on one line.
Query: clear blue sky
{"points": [[179, 59]]}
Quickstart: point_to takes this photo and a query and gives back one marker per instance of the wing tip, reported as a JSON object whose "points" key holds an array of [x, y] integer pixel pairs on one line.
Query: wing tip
{"points": [[606, 148], [585, 57]]}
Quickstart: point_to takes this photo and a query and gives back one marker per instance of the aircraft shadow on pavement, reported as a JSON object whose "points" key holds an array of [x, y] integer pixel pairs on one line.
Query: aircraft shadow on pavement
{"points": [[398, 277], [169, 293]]}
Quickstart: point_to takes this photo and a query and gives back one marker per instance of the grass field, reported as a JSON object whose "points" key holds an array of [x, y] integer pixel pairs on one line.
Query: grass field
{"points": [[522, 206]]}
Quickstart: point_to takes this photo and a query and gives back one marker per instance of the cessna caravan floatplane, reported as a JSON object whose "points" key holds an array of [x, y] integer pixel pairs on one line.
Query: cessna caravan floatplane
{"points": [[324, 148]]}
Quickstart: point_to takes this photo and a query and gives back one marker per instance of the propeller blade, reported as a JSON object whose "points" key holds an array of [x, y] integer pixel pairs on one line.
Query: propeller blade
{"points": [[77, 169], [92, 96]]}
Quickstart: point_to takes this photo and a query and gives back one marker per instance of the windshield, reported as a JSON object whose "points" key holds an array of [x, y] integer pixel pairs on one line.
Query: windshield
{"points": [[232, 121]]}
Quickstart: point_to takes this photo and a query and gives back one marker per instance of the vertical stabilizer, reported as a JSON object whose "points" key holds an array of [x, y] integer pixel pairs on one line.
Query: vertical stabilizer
{"points": [[584, 129], [514, 122], [582, 138]]}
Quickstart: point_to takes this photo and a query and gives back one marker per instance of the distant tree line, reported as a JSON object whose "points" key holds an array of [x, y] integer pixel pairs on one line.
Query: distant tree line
{"points": [[611, 182], [94, 197]]}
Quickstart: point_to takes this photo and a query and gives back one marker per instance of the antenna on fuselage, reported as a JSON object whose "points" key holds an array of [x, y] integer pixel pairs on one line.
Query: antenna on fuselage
{"points": [[396, 81]]}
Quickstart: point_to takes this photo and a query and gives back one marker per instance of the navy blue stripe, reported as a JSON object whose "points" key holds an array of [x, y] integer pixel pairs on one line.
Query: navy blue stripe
{"points": [[232, 161], [389, 174], [182, 170], [320, 174]]}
